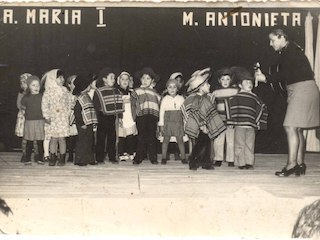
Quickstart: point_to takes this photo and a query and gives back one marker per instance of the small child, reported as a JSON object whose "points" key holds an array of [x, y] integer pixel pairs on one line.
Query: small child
{"points": [[85, 119], [128, 129], [34, 122], [108, 103], [20, 116], [71, 140], [226, 138], [56, 108], [145, 110], [247, 113], [202, 121], [171, 121]]}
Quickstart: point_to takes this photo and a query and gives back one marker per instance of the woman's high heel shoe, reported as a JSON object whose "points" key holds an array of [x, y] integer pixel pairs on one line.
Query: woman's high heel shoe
{"points": [[303, 168], [286, 173]]}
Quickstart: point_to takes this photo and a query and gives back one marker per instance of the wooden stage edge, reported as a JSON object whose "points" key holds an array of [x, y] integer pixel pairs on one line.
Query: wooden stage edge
{"points": [[155, 200]]}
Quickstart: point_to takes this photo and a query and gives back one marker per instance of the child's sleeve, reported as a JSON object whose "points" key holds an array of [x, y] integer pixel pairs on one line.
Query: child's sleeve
{"points": [[22, 102], [162, 110], [96, 101], [133, 100], [19, 98], [78, 115], [45, 106]]}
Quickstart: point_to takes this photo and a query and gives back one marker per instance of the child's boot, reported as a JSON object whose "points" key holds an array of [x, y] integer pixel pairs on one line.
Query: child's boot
{"points": [[53, 159], [62, 160], [70, 156]]}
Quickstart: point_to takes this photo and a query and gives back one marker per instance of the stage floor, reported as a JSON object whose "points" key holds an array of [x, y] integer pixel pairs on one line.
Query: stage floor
{"points": [[155, 200]]}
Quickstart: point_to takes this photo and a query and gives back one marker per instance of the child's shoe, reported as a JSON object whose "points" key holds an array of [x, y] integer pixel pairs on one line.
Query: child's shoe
{"points": [[248, 166], [70, 157], [131, 157], [62, 160], [184, 161], [136, 161], [217, 163], [46, 159], [230, 164], [23, 158], [242, 167], [28, 162], [164, 161], [122, 158], [53, 159]]}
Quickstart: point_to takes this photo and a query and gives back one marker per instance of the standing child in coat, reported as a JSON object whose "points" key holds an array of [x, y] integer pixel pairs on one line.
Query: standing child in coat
{"points": [[145, 109], [108, 103], [247, 113], [85, 119], [34, 122], [20, 117], [202, 121], [71, 140], [128, 129], [226, 139], [171, 120], [56, 108]]}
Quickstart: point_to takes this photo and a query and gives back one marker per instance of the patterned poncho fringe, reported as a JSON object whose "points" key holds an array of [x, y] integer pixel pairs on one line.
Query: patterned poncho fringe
{"points": [[110, 100], [88, 112], [199, 111]]}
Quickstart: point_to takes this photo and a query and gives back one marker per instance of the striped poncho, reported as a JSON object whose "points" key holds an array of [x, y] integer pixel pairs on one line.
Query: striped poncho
{"points": [[88, 112], [108, 100], [199, 111], [247, 110], [145, 101]]}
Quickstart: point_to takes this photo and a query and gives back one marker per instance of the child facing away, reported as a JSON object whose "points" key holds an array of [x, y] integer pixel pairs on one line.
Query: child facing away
{"points": [[247, 113], [21, 119], [71, 140], [225, 141], [108, 103], [145, 110], [56, 108], [171, 120], [34, 121], [85, 119], [202, 121], [128, 129]]}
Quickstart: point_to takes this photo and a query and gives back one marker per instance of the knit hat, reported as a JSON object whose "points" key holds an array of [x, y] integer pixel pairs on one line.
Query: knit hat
{"points": [[31, 79], [121, 74], [198, 78], [241, 74], [103, 73], [24, 76], [175, 75], [150, 72], [80, 84]]}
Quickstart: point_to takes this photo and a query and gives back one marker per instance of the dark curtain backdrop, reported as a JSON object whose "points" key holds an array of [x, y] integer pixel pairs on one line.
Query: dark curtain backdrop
{"points": [[132, 39]]}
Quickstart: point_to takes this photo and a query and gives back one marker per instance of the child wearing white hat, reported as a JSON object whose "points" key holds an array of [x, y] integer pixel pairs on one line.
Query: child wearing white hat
{"points": [[202, 121]]}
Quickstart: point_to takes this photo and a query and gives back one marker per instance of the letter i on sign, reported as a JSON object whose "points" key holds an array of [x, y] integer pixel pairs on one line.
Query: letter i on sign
{"points": [[101, 17]]}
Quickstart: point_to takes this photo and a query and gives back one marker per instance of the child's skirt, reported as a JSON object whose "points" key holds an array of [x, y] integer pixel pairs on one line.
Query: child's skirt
{"points": [[20, 123], [173, 124], [34, 130]]}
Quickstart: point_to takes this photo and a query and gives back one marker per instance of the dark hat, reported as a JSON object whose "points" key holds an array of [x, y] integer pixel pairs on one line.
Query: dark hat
{"points": [[80, 84], [222, 72], [240, 74], [32, 78], [103, 73], [150, 72]]}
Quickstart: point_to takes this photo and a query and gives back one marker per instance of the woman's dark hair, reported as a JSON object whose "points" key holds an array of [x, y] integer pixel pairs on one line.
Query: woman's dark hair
{"points": [[279, 32], [59, 73]]}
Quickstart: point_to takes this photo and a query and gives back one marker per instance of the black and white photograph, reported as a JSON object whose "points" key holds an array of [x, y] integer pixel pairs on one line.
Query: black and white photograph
{"points": [[160, 119]]}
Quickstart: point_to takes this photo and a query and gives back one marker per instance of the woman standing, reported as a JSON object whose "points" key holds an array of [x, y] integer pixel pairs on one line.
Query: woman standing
{"points": [[295, 72]]}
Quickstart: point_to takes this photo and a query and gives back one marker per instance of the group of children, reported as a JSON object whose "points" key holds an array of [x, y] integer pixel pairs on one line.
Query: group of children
{"points": [[106, 115]]}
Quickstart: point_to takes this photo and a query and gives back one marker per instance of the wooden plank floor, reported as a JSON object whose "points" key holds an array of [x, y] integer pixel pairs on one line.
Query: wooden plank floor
{"points": [[147, 180], [155, 200]]}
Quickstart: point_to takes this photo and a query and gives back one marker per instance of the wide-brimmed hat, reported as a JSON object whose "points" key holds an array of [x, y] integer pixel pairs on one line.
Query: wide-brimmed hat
{"points": [[240, 74], [198, 78], [124, 73], [150, 72]]}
